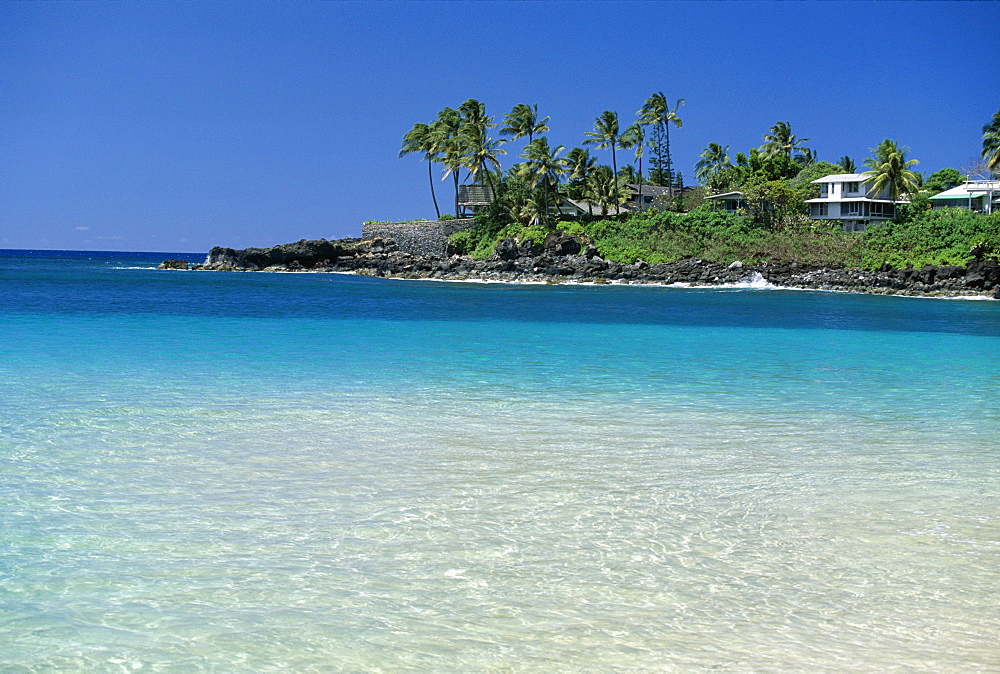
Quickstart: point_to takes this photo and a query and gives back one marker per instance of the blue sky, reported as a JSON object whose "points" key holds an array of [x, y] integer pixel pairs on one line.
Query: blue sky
{"points": [[174, 127]]}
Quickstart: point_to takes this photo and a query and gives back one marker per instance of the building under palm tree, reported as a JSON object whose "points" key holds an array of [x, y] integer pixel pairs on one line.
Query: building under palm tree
{"points": [[641, 197], [471, 197], [848, 197]]}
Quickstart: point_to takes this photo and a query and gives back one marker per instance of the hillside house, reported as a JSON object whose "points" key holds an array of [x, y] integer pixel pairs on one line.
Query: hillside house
{"points": [[847, 197]]}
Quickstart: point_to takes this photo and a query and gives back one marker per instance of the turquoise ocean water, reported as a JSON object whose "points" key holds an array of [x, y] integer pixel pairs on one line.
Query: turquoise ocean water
{"points": [[315, 472]]}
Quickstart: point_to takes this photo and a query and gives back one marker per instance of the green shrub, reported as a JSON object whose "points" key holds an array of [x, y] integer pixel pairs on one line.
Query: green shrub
{"points": [[939, 236], [942, 236]]}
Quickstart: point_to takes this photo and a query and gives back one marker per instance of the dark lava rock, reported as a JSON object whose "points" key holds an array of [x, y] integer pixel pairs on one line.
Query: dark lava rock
{"points": [[306, 253], [506, 249], [560, 257], [561, 245]]}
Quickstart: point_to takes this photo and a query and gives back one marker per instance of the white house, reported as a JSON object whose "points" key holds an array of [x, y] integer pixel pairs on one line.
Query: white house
{"points": [[845, 197], [975, 195], [731, 202]]}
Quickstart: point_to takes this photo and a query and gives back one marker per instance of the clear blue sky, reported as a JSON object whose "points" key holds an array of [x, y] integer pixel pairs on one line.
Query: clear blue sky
{"points": [[169, 126]]}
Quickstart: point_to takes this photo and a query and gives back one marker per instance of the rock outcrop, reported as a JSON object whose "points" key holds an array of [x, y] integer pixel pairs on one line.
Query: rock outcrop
{"points": [[562, 258], [304, 254]]}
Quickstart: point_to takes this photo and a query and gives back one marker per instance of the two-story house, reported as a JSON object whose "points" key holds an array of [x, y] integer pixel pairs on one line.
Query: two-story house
{"points": [[847, 197]]}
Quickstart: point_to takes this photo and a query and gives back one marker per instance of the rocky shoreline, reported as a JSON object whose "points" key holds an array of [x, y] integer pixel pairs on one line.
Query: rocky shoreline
{"points": [[565, 259]]}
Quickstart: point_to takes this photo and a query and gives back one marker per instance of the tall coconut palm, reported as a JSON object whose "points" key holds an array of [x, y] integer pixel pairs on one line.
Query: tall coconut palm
{"points": [[480, 151], [781, 141], [635, 138], [481, 154], [522, 122], [605, 134], [714, 159], [847, 164], [422, 139], [890, 168], [656, 111], [991, 142], [447, 130], [543, 167]]}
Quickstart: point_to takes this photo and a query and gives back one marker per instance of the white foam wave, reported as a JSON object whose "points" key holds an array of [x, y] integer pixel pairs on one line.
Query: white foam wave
{"points": [[755, 282]]}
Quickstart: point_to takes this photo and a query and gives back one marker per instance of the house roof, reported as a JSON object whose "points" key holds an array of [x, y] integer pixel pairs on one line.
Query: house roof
{"points": [[655, 190], [969, 189], [726, 195], [843, 178], [584, 206], [820, 200]]}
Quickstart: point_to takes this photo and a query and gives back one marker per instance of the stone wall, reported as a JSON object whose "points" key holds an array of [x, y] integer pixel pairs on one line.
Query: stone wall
{"points": [[421, 237]]}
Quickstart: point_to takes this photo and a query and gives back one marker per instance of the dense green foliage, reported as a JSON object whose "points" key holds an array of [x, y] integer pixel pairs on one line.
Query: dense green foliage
{"points": [[940, 236], [943, 236], [942, 180]]}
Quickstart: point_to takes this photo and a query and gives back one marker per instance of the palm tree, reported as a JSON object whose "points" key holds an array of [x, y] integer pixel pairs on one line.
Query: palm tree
{"points": [[480, 151], [629, 175], [421, 139], [781, 141], [657, 111], [605, 135], [522, 121], [604, 189], [890, 168], [714, 159], [805, 157], [579, 165], [447, 130], [635, 137], [481, 154], [543, 167], [847, 164], [991, 142]]}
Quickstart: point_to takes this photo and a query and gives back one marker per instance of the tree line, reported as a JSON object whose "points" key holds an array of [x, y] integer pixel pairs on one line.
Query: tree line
{"points": [[459, 140], [775, 178]]}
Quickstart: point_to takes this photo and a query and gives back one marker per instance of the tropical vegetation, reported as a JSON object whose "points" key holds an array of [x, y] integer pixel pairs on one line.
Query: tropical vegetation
{"points": [[890, 170], [991, 142], [531, 198]]}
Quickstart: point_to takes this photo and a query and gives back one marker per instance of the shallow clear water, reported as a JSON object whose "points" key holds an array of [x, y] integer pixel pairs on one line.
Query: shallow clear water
{"points": [[230, 471]]}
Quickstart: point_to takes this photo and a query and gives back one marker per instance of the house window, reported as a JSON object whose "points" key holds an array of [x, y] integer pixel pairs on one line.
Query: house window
{"points": [[882, 210], [852, 208], [824, 190], [851, 188], [816, 210]]}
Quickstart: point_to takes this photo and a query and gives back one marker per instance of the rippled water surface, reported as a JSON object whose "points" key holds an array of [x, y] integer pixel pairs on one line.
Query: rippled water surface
{"points": [[235, 472]]}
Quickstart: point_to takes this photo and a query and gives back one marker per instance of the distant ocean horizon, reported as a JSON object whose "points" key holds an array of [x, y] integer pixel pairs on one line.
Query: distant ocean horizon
{"points": [[244, 472]]}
